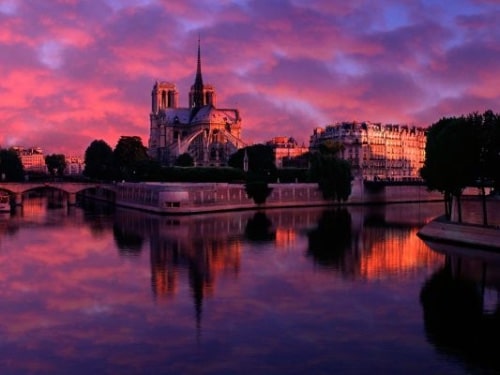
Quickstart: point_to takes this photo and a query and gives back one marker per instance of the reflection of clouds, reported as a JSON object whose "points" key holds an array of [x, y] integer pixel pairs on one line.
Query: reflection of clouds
{"points": [[97, 309], [90, 310]]}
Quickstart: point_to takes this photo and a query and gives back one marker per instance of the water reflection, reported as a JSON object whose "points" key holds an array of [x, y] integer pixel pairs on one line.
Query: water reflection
{"points": [[200, 247], [331, 242], [129, 243], [461, 307], [357, 242], [259, 228], [308, 290]]}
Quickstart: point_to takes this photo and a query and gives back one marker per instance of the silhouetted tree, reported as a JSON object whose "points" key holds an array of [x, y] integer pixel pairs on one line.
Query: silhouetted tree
{"points": [[452, 160], [11, 167], [184, 160], [56, 163], [129, 155], [333, 174], [491, 137], [261, 161], [99, 161], [261, 170], [258, 190]]}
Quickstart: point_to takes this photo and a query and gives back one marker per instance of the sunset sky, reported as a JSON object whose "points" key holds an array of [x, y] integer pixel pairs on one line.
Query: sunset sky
{"points": [[77, 70]]}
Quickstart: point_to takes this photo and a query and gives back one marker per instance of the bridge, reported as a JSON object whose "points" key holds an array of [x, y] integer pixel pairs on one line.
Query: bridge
{"points": [[17, 189]]}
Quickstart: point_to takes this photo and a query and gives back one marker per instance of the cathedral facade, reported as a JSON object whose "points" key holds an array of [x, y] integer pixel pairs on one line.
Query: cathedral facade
{"points": [[207, 133]]}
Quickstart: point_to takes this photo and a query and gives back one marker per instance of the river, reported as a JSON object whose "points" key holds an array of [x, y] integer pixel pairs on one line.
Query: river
{"points": [[98, 290]]}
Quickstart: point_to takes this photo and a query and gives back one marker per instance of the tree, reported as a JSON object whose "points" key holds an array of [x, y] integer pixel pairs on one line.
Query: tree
{"points": [[333, 174], [344, 177], [261, 161], [257, 190], [129, 155], [490, 147], [56, 163], [184, 160], [99, 161], [332, 148], [452, 159], [11, 167], [261, 170]]}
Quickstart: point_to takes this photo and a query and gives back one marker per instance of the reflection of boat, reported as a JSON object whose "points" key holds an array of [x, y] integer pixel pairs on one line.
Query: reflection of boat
{"points": [[4, 202]]}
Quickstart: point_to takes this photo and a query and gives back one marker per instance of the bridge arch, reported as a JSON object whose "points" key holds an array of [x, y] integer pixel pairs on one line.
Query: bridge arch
{"points": [[17, 189]]}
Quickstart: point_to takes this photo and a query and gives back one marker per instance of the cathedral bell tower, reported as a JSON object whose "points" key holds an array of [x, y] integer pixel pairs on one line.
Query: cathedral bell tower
{"points": [[164, 95]]}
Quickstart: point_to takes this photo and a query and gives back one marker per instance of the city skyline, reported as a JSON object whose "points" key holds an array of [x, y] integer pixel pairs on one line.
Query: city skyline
{"points": [[75, 71]]}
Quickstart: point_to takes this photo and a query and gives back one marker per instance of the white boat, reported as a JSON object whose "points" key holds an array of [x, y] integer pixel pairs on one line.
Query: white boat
{"points": [[5, 202]]}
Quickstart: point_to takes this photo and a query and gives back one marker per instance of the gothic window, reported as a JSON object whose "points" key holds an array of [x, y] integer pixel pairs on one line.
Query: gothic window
{"points": [[170, 99], [163, 99]]}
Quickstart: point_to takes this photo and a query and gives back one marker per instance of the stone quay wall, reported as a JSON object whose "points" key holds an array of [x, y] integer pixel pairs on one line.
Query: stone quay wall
{"points": [[182, 198], [472, 210]]}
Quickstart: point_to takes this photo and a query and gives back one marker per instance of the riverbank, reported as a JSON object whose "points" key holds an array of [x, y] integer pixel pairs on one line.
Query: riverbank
{"points": [[188, 198], [470, 232], [468, 235]]}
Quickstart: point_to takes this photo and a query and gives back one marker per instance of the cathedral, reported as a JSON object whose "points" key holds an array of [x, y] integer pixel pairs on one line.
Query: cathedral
{"points": [[207, 133]]}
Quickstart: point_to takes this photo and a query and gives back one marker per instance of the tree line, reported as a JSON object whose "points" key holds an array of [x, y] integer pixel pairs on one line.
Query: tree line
{"points": [[129, 161], [461, 152]]}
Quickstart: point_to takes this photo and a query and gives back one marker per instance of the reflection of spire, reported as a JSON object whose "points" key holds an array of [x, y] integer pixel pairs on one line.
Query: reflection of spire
{"points": [[197, 286]]}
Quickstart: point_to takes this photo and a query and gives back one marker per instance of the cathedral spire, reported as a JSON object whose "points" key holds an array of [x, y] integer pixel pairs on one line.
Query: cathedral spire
{"points": [[198, 82]]}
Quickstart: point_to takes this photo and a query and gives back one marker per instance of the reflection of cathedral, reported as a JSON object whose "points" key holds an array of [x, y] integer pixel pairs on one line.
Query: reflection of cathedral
{"points": [[209, 134]]}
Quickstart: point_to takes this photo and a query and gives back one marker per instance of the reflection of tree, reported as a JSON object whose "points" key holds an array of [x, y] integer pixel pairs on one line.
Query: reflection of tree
{"points": [[127, 241], [374, 219], [97, 215], [7, 227], [329, 241], [259, 228], [455, 323]]}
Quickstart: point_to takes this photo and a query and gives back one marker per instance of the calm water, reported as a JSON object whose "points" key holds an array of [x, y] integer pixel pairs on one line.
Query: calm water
{"points": [[297, 291]]}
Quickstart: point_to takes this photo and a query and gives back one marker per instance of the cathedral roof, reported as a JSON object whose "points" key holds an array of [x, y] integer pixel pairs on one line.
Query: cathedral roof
{"points": [[173, 115], [209, 113], [204, 114]]}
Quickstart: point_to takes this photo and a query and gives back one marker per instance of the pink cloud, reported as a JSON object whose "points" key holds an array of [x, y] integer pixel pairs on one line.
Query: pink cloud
{"points": [[76, 71]]}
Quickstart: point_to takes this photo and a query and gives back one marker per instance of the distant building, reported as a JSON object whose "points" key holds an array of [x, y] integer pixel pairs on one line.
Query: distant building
{"points": [[375, 151], [288, 153], [32, 159], [74, 165], [209, 134]]}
